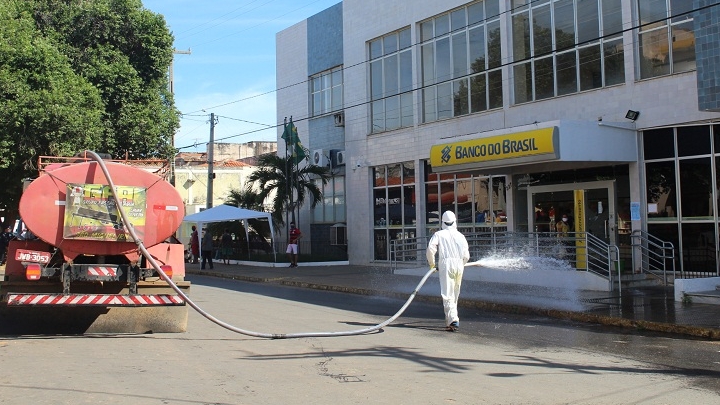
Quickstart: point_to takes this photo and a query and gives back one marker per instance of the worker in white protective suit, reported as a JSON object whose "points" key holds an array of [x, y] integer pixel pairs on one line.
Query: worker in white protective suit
{"points": [[452, 249]]}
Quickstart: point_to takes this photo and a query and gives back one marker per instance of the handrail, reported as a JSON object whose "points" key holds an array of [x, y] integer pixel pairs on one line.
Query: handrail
{"points": [[594, 254], [654, 253]]}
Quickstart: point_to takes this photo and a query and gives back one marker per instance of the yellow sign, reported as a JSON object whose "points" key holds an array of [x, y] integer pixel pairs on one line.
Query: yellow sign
{"points": [[580, 248], [535, 144]]}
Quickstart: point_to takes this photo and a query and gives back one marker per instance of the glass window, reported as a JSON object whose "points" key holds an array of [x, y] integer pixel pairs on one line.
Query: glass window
{"points": [[472, 46], [492, 8], [614, 62], [567, 73], [444, 100], [457, 19], [698, 247], [475, 13], [332, 207], [477, 49], [544, 78], [478, 93], [588, 17], [394, 206], [442, 25], [523, 82], [542, 30], [390, 79], [661, 190], [659, 143], [590, 68], [521, 36], [683, 47], [460, 97], [460, 55], [666, 38], [693, 141], [597, 60], [442, 60], [564, 24], [495, 86], [326, 91], [612, 17], [696, 188]]}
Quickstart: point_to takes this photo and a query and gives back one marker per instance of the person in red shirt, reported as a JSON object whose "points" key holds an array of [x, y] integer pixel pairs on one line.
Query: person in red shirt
{"points": [[292, 249]]}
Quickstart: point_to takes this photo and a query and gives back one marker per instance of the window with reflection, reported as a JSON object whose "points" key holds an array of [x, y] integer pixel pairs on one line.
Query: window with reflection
{"points": [[699, 247], [661, 189], [394, 214], [460, 61], [479, 202], [696, 192], [565, 46], [332, 207], [391, 76], [666, 37], [326, 91]]}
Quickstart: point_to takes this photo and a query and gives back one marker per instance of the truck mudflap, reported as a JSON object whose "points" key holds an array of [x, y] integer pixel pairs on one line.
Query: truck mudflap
{"points": [[105, 300]]}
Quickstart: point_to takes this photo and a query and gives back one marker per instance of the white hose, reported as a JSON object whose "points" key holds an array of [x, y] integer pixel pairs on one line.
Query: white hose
{"points": [[225, 325]]}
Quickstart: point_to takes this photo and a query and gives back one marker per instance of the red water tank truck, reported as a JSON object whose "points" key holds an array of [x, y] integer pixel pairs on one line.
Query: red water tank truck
{"points": [[79, 270]]}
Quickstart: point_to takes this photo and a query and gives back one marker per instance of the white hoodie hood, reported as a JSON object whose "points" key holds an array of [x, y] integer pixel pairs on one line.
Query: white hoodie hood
{"points": [[449, 220]]}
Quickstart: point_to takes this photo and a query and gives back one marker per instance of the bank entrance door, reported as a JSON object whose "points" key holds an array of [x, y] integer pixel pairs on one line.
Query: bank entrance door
{"points": [[589, 207]]}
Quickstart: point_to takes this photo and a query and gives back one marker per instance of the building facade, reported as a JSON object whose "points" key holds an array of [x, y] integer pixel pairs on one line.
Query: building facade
{"points": [[511, 113]]}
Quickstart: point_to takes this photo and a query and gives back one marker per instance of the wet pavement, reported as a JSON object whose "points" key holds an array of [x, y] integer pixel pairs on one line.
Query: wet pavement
{"points": [[646, 309]]}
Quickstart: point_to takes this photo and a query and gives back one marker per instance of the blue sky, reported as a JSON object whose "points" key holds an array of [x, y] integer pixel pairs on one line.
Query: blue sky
{"points": [[231, 68]]}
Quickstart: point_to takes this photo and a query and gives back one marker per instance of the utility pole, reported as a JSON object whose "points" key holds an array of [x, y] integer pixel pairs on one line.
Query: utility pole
{"points": [[171, 88], [211, 175], [171, 82]]}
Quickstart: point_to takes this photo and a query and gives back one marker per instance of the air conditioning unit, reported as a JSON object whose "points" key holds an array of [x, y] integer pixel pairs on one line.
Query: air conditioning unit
{"points": [[339, 119], [337, 157], [319, 158]]}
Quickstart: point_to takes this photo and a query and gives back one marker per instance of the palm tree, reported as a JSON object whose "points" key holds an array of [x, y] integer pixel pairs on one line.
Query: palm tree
{"points": [[247, 198], [289, 185]]}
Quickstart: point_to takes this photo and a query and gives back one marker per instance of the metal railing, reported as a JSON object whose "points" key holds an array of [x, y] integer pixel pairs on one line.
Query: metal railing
{"points": [[582, 250], [409, 250], [656, 255]]}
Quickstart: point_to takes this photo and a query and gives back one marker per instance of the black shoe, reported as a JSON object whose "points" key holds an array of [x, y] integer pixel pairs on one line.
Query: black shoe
{"points": [[453, 327]]}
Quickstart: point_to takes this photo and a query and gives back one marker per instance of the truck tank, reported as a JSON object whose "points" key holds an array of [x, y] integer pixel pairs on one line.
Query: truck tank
{"points": [[79, 270]]}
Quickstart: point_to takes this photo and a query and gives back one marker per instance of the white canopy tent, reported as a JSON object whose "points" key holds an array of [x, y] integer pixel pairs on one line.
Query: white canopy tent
{"points": [[227, 213]]}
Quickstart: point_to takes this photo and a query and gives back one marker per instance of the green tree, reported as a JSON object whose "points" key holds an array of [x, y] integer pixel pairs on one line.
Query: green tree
{"points": [[279, 179], [80, 75], [247, 198]]}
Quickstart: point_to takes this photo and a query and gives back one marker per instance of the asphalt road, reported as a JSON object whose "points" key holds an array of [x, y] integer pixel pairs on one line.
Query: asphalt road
{"points": [[494, 359]]}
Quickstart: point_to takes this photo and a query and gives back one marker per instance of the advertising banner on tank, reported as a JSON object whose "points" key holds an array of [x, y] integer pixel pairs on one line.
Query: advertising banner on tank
{"points": [[91, 212]]}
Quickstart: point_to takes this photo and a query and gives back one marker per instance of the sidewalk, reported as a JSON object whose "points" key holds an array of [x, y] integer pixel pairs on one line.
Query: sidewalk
{"points": [[646, 309]]}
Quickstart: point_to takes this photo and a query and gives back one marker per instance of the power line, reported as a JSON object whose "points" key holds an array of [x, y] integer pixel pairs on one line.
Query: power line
{"points": [[418, 88]]}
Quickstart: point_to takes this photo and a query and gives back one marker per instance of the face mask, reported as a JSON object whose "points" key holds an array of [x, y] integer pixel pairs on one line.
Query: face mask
{"points": [[564, 219]]}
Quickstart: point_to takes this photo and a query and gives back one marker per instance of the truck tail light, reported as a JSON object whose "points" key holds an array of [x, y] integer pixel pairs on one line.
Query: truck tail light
{"points": [[33, 271], [167, 269]]}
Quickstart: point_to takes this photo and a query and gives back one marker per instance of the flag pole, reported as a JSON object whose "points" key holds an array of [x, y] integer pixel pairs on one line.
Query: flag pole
{"points": [[287, 185]]}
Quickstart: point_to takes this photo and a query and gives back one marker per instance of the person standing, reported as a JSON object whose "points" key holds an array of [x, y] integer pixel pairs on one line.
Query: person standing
{"points": [[5, 239], [562, 227], [226, 246], [194, 245], [206, 250], [453, 252], [292, 249]]}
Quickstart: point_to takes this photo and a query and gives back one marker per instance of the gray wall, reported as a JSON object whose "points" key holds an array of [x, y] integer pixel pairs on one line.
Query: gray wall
{"points": [[707, 52], [325, 40]]}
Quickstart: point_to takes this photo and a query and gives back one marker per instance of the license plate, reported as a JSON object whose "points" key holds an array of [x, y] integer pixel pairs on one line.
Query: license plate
{"points": [[35, 256]]}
